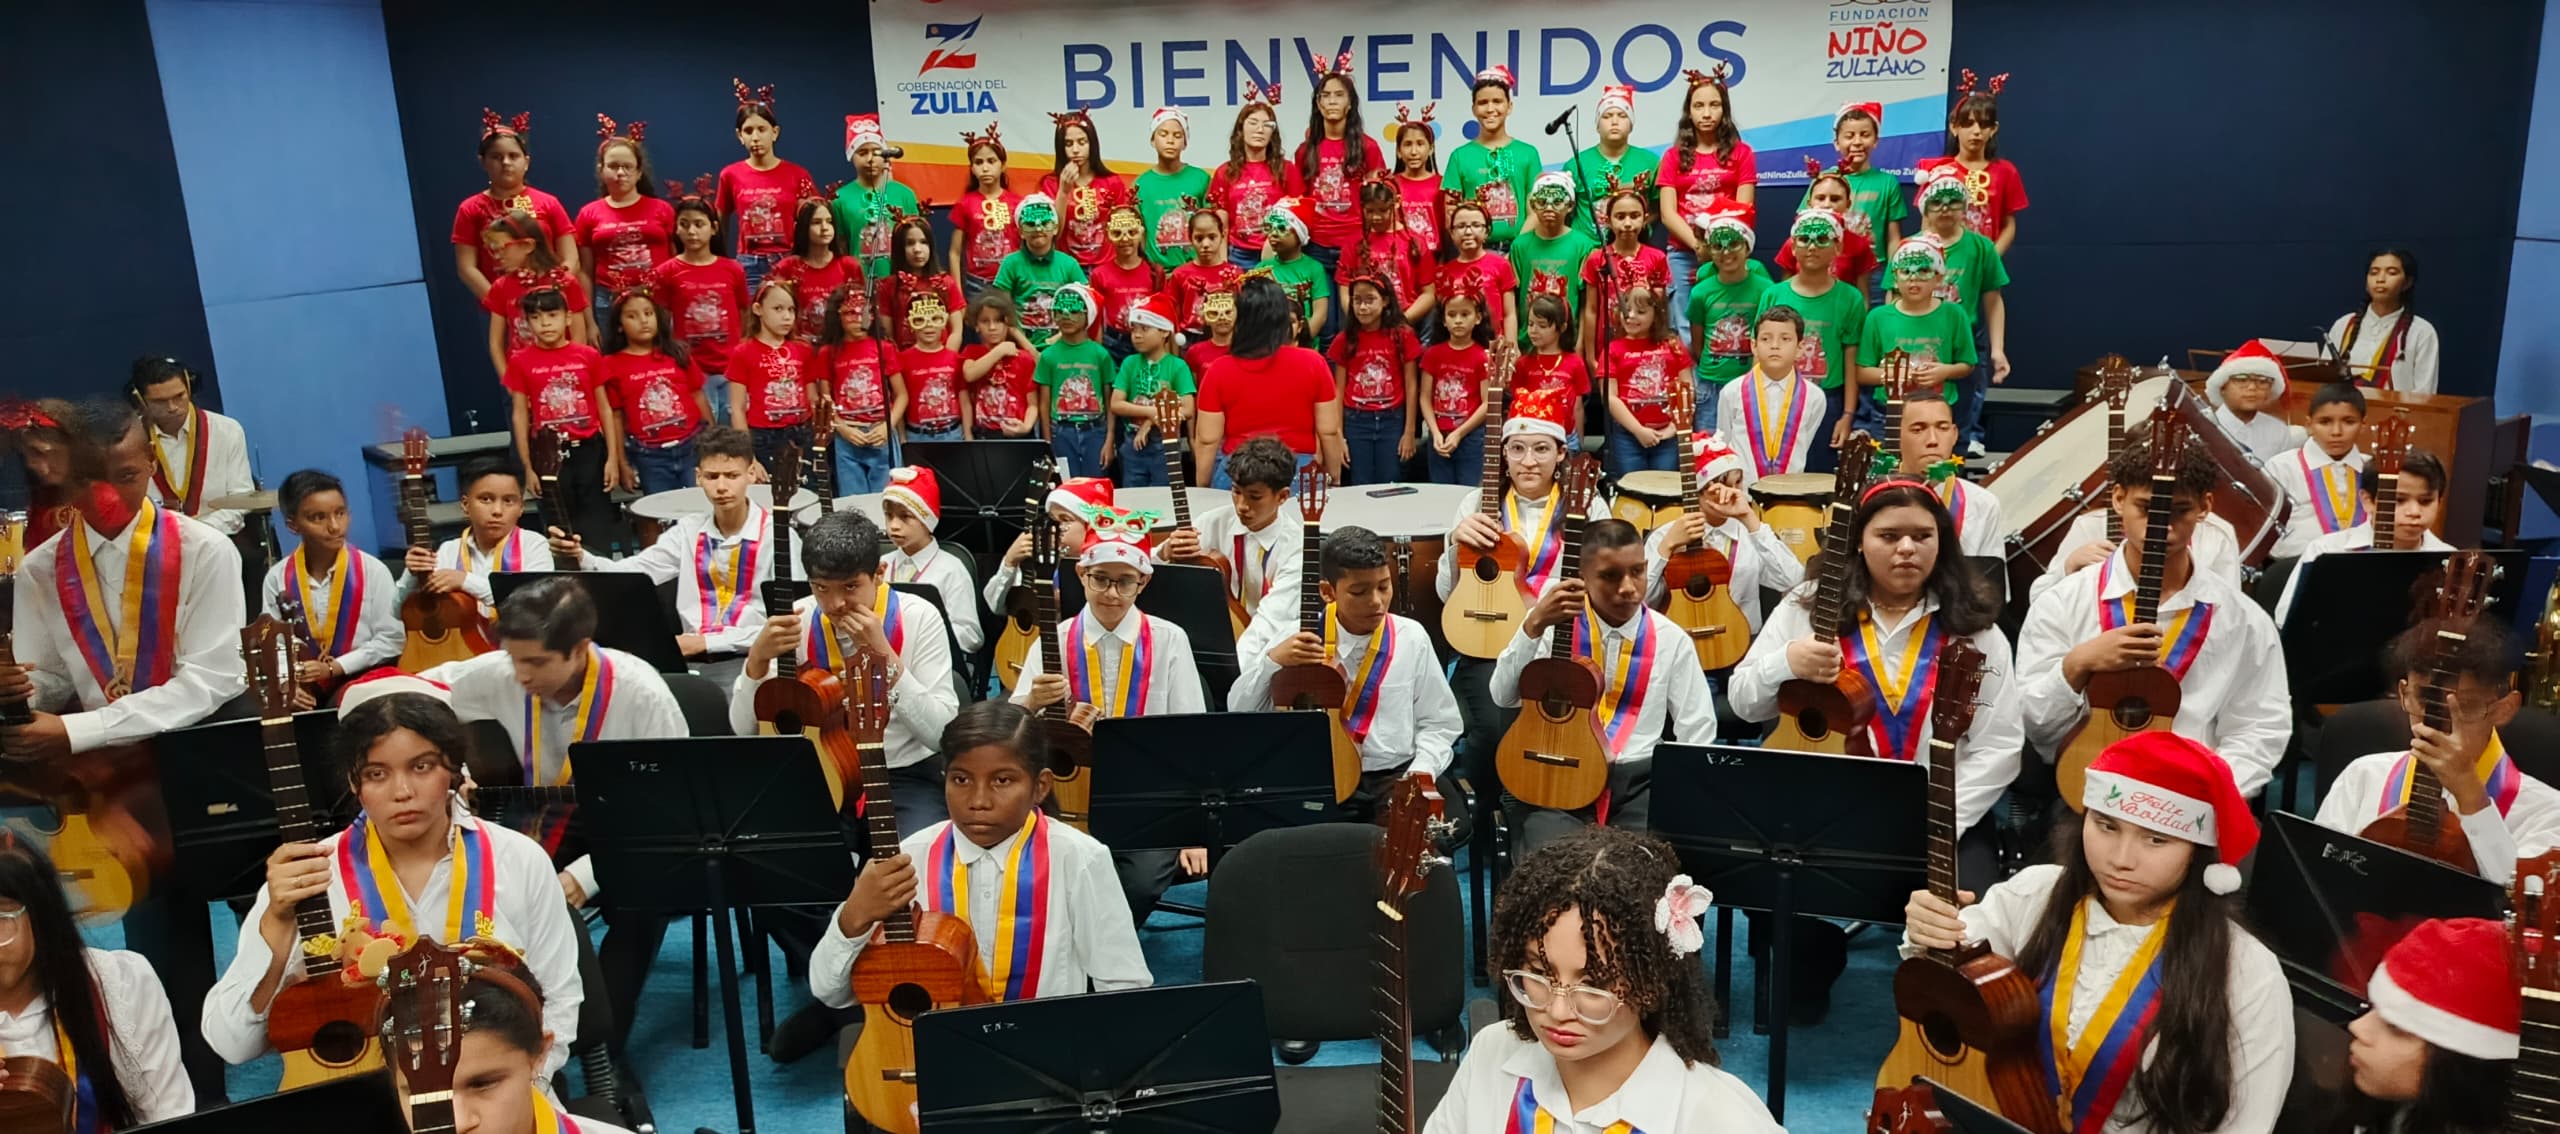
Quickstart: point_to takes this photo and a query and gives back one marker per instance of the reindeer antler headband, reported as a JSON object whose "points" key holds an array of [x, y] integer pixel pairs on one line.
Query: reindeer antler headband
{"points": [[1965, 85], [1715, 78], [752, 96], [606, 128], [492, 125]]}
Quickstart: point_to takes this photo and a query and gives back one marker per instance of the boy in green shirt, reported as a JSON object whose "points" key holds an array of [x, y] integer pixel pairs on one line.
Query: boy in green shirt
{"points": [[1834, 314], [869, 206], [1874, 196], [1974, 278], [1033, 275], [1167, 190], [1548, 258], [1723, 305], [1935, 333], [1151, 366], [1284, 255], [1076, 372], [1495, 168], [1612, 159]]}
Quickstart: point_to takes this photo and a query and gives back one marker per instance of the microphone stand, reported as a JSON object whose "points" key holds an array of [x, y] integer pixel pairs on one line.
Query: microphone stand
{"points": [[1608, 285]]}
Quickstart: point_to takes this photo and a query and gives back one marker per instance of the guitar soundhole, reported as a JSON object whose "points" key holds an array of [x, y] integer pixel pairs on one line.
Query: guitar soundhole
{"points": [[2133, 714], [338, 1043], [1939, 1032], [908, 1001], [1486, 569], [1555, 709], [787, 723], [1698, 587], [1812, 724]]}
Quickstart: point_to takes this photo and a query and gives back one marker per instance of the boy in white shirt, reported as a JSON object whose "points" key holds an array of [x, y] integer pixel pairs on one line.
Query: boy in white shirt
{"points": [[197, 455], [1261, 550], [1929, 453], [2320, 477], [349, 610], [492, 504], [911, 508], [1771, 414], [719, 561], [2243, 385], [1726, 521], [2417, 507]]}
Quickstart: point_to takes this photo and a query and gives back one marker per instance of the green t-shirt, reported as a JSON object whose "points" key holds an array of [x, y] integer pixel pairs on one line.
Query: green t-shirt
{"points": [[1562, 257], [1945, 334], [1875, 195], [1140, 379], [1306, 270], [1592, 171], [1078, 378], [1973, 267], [1503, 174], [1723, 312], [1032, 286], [1168, 223], [866, 217], [1832, 319]]}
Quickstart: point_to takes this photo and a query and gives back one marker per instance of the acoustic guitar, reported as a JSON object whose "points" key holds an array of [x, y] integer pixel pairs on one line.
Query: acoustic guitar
{"points": [[1968, 1016], [1320, 686], [2124, 702], [1070, 745], [1818, 716], [1022, 625], [439, 628], [2390, 452], [1553, 756], [2115, 384], [1896, 365], [1489, 603], [1177, 475], [918, 960], [102, 876], [1697, 581], [425, 992], [2533, 950], [802, 700], [1405, 861], [36, 1095], [2423, 826], [551, 452], [322, 1025]]}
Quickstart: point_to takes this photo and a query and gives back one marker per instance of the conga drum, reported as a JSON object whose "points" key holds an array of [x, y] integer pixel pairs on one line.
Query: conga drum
{"points": [[1792, 505], [1648, 498]]}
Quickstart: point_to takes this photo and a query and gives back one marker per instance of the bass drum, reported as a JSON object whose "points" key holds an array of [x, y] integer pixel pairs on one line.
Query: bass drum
{"points": [[1648, 498], [1792, 505]]}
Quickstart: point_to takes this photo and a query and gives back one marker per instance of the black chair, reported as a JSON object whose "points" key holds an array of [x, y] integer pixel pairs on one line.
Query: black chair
{"points": [[613, 1092], [2532, 739], [2268, 587], [704, 703]]}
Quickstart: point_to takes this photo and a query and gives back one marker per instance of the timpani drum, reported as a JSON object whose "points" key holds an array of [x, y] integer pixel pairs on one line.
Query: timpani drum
{"points": [[1648, 498], [1413, 526], [1792, 504], [659, 511]]}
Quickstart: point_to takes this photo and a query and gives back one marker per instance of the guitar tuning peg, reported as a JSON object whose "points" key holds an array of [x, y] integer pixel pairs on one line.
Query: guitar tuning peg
{"points": [[1435, 862]]}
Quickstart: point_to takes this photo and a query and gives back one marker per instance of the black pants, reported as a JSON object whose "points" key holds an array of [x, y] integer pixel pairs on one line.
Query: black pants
{"points": [[175, 933], [771, 441], [1630, 799], [585, 502]]}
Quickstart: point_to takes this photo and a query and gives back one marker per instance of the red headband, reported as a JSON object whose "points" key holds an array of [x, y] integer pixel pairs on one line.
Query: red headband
{"points": [[1964, 86], [1896, 481], [757, 96], [491, 125]]}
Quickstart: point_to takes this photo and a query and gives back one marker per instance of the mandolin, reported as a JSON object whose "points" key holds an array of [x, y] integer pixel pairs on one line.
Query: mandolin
{"points": [[2390, 452], [796, 699], [1968, 1016], [822, 459], [426, 992], [1896, 365], [1070, 745], [1553, 756], [1697, 581], [1021, 617], [551, 452], [322, 1024], [2533, 929], [1320, 686], [101, 877], [1489, 603], [1405, 861], [36, 1095], [2123, 702], [440, 627], [2423, 826], [1169, 409], [918, 960], [1817, 716], [2115, 384]]}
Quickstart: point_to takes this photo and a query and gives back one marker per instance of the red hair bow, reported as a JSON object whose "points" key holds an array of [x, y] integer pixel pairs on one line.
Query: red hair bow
{"points": [[1812, 166], [1265, 95], [1325, 69], [19, 416]]}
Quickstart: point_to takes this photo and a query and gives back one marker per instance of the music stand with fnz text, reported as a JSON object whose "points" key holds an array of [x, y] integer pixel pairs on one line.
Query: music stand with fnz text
{"points": [[2330, 904], [1174, 1059], [1209, 779]]}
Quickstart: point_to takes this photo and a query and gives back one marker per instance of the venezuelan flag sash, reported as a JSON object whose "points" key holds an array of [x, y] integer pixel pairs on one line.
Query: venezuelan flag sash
{"points": [[893, 618], [1083, 660], [2182, 637], [1773, 435], [508, 557], [595, 699], [2089, 1077], [1527, 1117], [549, 1121], [1623, 689], [1951, 493], [377, 905], [1012, 969], [1546, 548], [1905, 687], [724, 593], [84, 1101], [345, 609], [1262, 568], [196, 438], [1370, 683], [136, 648], [2497, 773], [820, 644], [2333, 492]]}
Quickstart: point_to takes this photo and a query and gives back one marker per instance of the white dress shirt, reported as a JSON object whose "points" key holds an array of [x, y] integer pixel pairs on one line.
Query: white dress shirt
{"points": [[1978, 528], [226, 467], [206, 672], [1088, 941], [2357, 538], [1677, 694], [1742, 437], [1533, 511], [2265, 435], [2214, 546], [2298, 472], [2530, 827], [673, 557], [1759, 558], [1987, 754], [1174, 687], [532, 917], [1267, 563], [2261, 1056], [1662, 1095], [144, 1046], [2233, 699], [921, 701], [1417, 716], [948, 575], [532, 552], [379, 636], [2414, 372]]}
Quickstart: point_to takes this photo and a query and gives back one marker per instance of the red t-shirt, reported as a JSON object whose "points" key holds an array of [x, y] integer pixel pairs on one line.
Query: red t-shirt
{"points": [[1997, 193], [655, 396], [1082, 221], [705, 300], [1193, 283], [1395, 255], [1121, 288], [1857, 257], [506, 300], [775, 380], [890, 296], [1648, 267], [472, 218], [1004, 395], [1200, 355], [1706, 179], [1493, 279], [763, 200], [560, 386], [1453, 376], [1373, 371], [1334, 191], [1248, 194], [1269, 397], [813, 286], [1560, 371], [623, 242], [984, 240], [858, 373], [1645, 373], [933, 388], [1420, 204]]}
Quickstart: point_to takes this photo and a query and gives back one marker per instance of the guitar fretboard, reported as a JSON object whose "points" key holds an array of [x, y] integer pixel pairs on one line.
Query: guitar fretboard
{"points": [[2386, 504], [1569, 566], [880, 817], [1393, 1010], [283, 753], [1043, 575], [2155, 543], [1831, 592], [1495, 405], [2115, 445], [2533, 1102], [1310, 596], [1942, 819], [2426, 792]]}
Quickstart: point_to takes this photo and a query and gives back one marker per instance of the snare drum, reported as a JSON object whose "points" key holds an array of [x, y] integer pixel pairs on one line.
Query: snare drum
{"points": [[1792, 504], [1649, 499]]}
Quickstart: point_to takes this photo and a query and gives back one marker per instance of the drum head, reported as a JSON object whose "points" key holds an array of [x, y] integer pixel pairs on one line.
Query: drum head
{"points": [[1651, 485]]}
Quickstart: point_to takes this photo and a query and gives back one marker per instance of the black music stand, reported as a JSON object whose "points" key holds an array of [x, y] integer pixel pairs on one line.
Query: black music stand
{"points": [[641, 622], [711, 825], [2330, 904], [1966, 1116], [1209, 779], [1191, 597], [984, 485], [361, 1104], [222, 817], [1794, 834], [2347, 608], [1166, 1060]]}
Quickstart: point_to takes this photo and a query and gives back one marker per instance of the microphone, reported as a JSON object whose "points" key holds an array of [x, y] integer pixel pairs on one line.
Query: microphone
{"points": [[1558, 123], [893, 151]]}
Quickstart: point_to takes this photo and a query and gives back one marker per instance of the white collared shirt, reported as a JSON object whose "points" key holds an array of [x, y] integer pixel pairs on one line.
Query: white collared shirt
{"points": [[920, 703], [226, 467], [2530, 827], [1173, 687], [533, 553], [1987, 754], [2233, 699], [1532, 511], [2357, 538], [1742, 436], [1089, 943], [378, 637], [1266, 564], [1662, 1095], [1417, 716], [1978, 528], [1759, 558], [674, 557], [206, 673], [2215, 547], [948, 575], [1677, 694], [531, 916], [2414, 372], [2261, 1055], [2299, 473], [2265, 435], [144, 1046]]}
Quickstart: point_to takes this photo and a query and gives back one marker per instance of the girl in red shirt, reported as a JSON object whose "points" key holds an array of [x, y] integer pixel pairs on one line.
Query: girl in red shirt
{"points": [[505, 158], [820, 262], [775, 372], [759, 191], [1418, 178], [628, 228], [998, 368], [655, 390], [1829, 190], [704, 290], [1085, 190], [937, 401], [982, 232], [1218, 320], [1641, 369], [1127, 278], [558, 385], [515, 243], [1388, 252], [1453, 372], [1973, 146], [865, 389], [1708, 159], [1548, 366], [1254, 175], [1210, 270], [1627, 260], [1473, 271], [1336, 154], [913, 272], [1373, 365]]}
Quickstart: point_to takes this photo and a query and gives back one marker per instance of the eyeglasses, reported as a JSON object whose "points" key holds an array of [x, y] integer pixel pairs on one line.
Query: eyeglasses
{"points": [[1594, 1006], [1113, 584], [2258, 380], [13, 925]]}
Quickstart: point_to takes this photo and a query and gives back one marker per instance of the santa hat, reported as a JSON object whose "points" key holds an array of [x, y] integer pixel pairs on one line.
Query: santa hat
{"points": [[1296, 212], [385, 682], [1874, 110], [1155, 311], [2253, 357], [1498, 73], [1079, 494], [1919, 256], [1715, 458], [2449, 982], [1944, 183], [1115, 535], [1729, 215], [1538, 413], [2167, 783], [1818, 222], [1171, 114], [1078, 297], [862, 130], [1620, 98], [916, 489]]}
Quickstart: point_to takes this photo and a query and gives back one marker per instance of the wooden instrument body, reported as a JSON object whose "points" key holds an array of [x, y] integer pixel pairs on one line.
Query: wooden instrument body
{"points": [[35, 1095], [2423, 825], [811, 703], [1970, 1025], [1021, 636], [1645, 514], [100, 858], [324, 1027], [2444, 843], [1320, 686], [1817, 717], [1070, 771], [1553, 755], [93, 816], [2122, 703], [1910, 1109], [1405, 859], [897, 982], [438, 628], [1488, 605], [1697, 582]]}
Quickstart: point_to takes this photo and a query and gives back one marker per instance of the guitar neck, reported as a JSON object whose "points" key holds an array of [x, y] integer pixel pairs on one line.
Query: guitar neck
{"points": [[311, 916], [1178, 478], [2534, 1106], [2115, 445], [1311, 596], [2386, 504], [2426, 792], [2155, 551], [1394, 1011], [1893, 431], [1568, 566], [1494, 413], [1044, 620], [1942, 818], [1688, 469], [878, 814], [413, 510], [780, 598], [1831, 592]]}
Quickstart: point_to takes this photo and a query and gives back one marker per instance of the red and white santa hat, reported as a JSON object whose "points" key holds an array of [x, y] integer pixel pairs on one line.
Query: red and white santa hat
{"points": [[1538, 413], [2449, 982], [1079, 494], [1874, 110], [1715, 458], [1155, 311], [1620, 98], [1117, 535], [1727, 214], [1498, 73], [916, 489], [862, 130], [2165, 782], [1171, 114], [1298, 212], [385, 682], [2253, 357]]}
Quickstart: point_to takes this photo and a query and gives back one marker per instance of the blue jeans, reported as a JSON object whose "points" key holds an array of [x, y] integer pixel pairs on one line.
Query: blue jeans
{"points": [[952, 434], [1373, 436], [1869, 416], [1709, 390], [1684, 275], [1079, 447], [1465, 466], [662, 469], [1116, 342], [1625, 456], [1141, 466], [1976, 387], [863, 468], [1245, 258], [757, 264], [1218, 474], [1824, 458], [971, 285], [716, 388]]}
